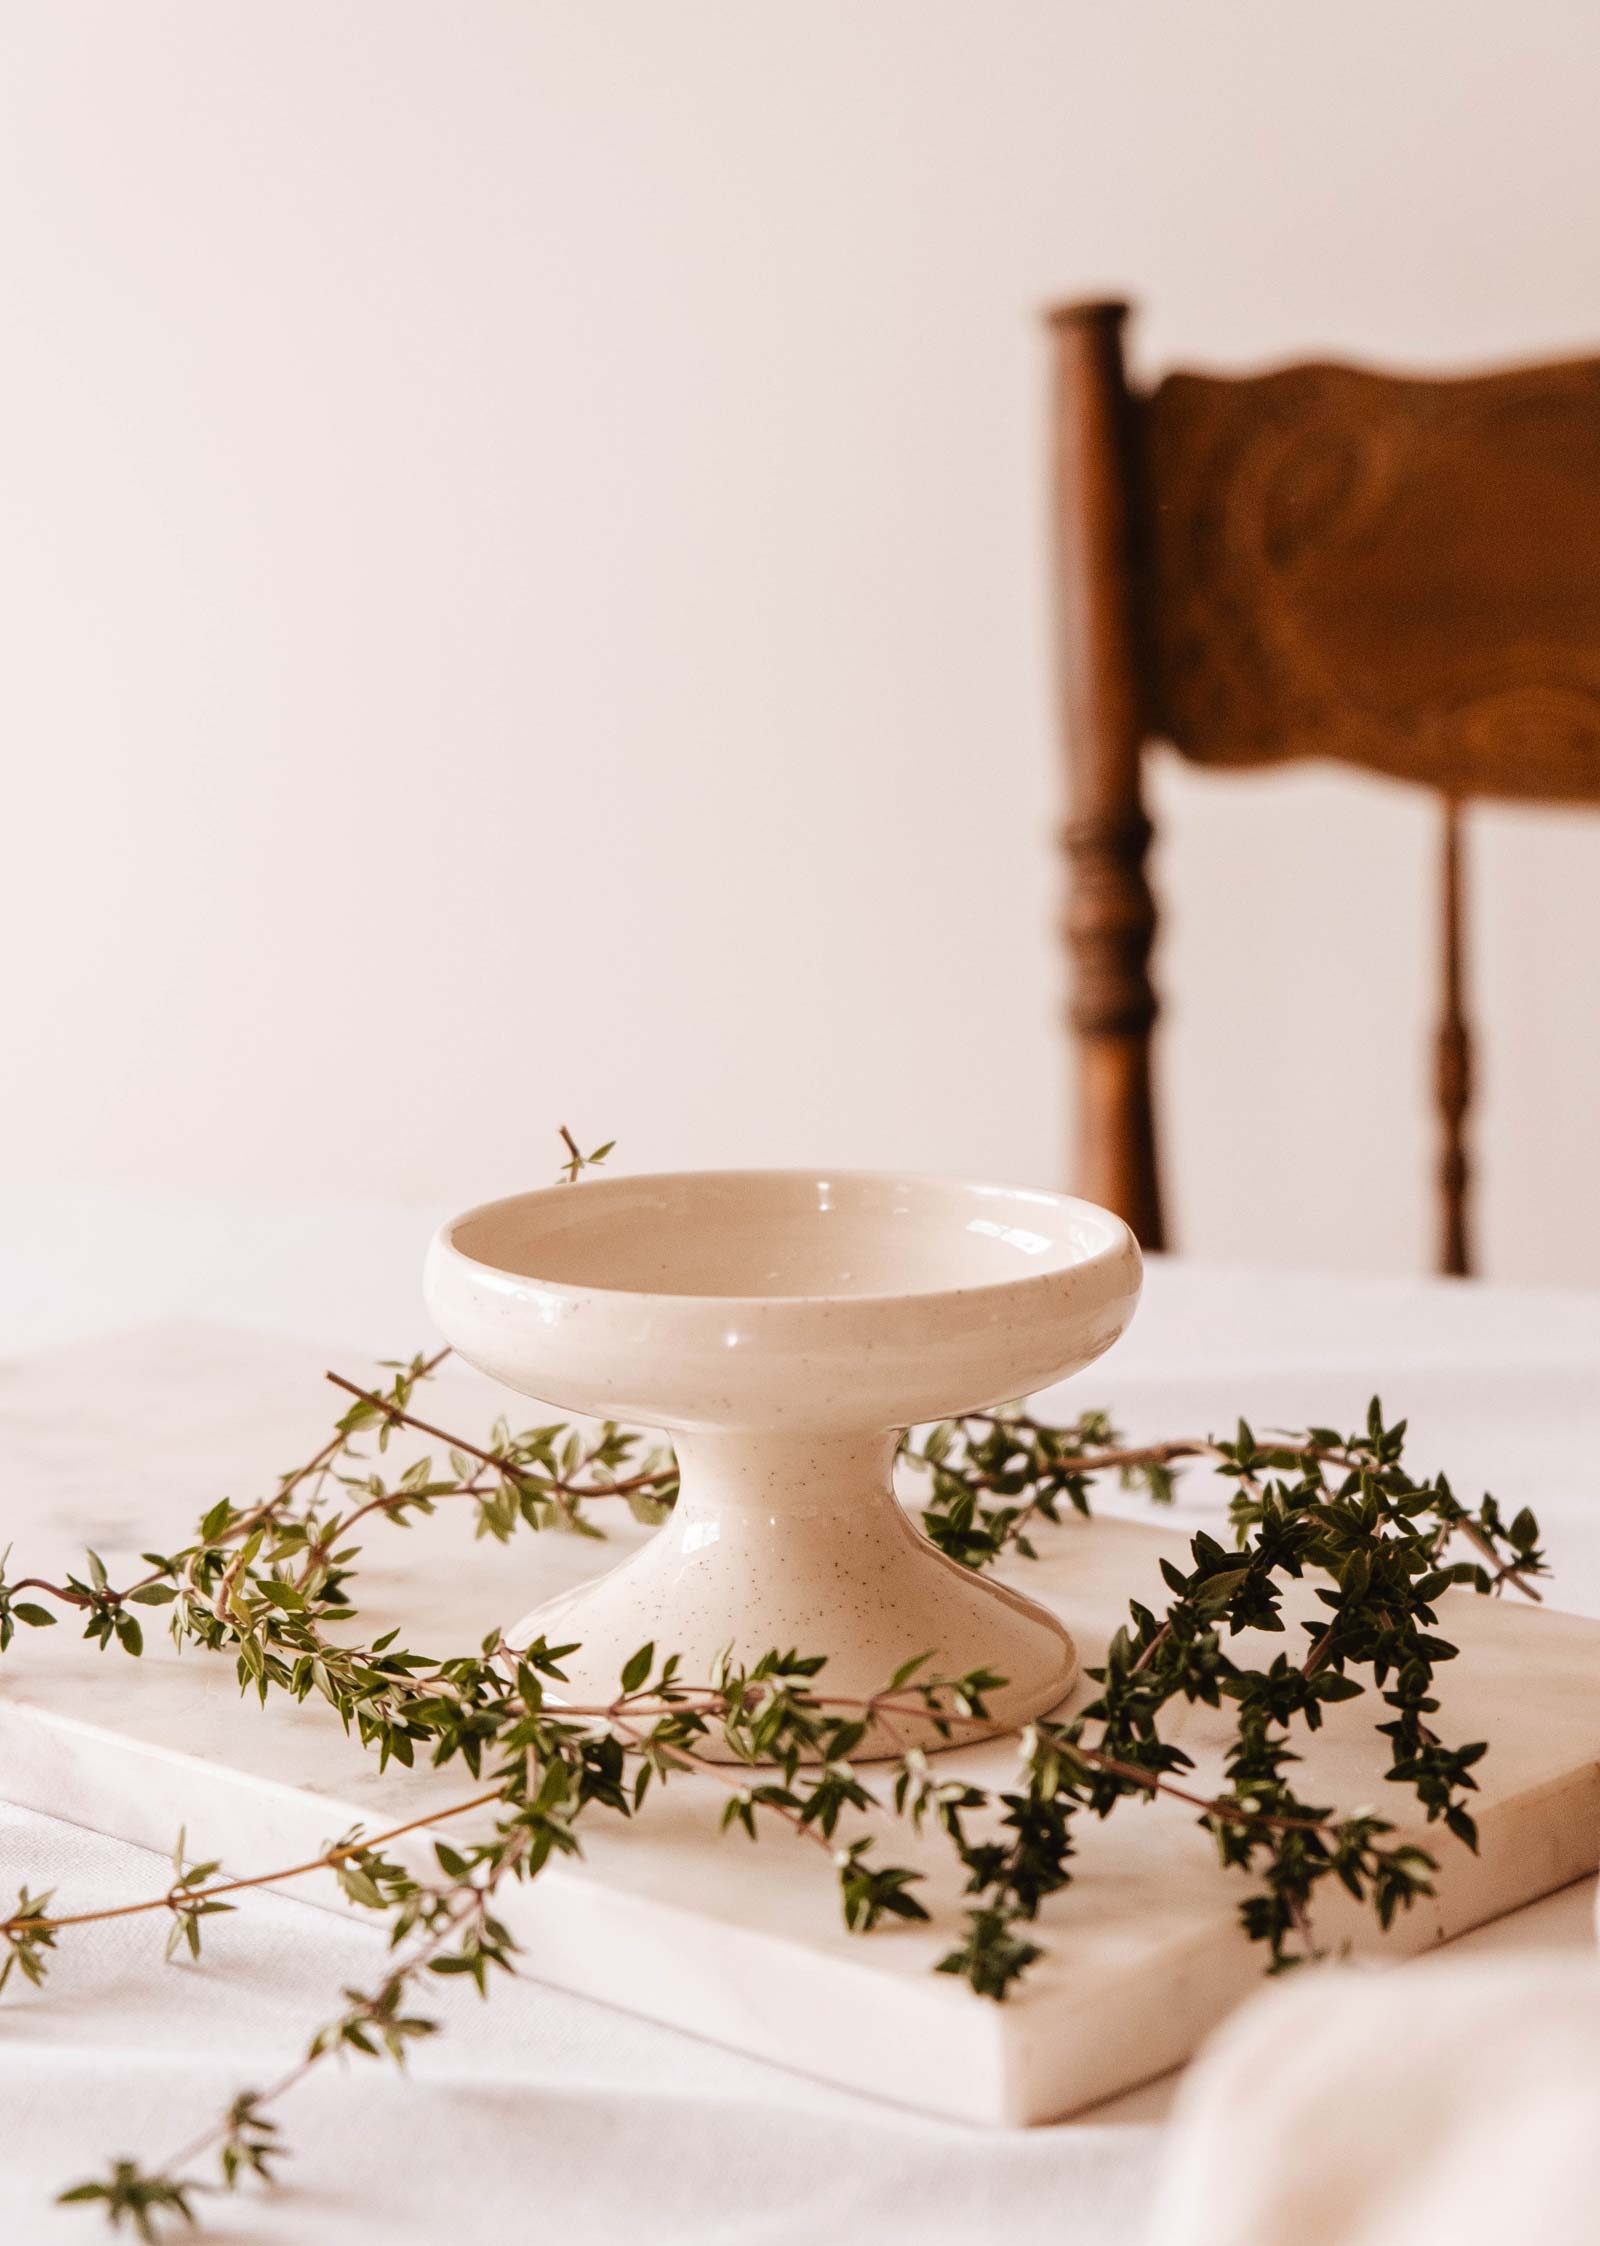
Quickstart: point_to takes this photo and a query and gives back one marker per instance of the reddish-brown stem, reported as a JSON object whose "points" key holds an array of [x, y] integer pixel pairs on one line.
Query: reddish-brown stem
{"points": [[1164, 1454], [1504, 1572], [176, 1897], [436, 1938], [698, 1699], [220, 2128], [324, 1457], [1319, 1652], [249, 1522], [723, 1776], [623, 1715], [524, 1477], [1152, 1649], [1231, 1812], [1109, 1461], [341, 1527]]}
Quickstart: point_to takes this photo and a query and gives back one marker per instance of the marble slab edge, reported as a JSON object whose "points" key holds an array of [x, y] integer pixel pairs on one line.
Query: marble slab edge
{"points": [[922, 2043]]}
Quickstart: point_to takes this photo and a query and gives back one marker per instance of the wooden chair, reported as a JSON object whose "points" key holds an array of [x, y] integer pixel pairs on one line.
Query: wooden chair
{"points": [[1397, 572]]}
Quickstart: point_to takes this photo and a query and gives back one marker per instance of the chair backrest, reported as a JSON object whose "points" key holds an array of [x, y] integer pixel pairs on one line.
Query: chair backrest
{"points": [[1398, 572]]}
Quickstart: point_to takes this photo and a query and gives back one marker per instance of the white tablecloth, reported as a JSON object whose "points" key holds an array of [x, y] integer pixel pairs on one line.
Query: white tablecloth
{"points": [[543, 2111]]}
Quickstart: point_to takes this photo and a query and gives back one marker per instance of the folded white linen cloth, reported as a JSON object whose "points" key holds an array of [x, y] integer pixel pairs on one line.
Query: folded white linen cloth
{"points": [[1457, 2105]]}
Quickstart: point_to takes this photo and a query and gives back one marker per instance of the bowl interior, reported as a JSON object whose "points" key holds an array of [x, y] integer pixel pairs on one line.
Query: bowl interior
{"points": [[777, 1234]]}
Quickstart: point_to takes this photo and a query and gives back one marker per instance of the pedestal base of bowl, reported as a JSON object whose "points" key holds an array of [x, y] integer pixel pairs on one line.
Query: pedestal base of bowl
{"points": [[800, 1546]]}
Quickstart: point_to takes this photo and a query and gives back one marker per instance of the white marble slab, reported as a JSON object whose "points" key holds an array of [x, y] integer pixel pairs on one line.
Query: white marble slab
{"points": [[121, 1443]]}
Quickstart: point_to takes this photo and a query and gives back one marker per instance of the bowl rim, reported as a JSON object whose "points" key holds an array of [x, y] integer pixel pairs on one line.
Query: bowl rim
{"points": [[1119, 1242]]}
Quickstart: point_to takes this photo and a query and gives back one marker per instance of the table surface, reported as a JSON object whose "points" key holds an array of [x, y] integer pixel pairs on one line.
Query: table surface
{"points": [[602, 2124]]}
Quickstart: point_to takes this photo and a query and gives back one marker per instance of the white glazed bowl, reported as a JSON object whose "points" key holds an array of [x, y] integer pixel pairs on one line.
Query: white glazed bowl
{"points": [[782, 1298], [786, 1325]]}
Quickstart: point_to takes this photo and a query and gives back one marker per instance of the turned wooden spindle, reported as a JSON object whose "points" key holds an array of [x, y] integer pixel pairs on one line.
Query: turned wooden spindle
{"points": [[1111, 917], [1453, 1052]]}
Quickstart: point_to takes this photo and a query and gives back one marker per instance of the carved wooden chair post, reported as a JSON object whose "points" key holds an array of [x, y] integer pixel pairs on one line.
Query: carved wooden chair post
{"points": [[1322, 561]]}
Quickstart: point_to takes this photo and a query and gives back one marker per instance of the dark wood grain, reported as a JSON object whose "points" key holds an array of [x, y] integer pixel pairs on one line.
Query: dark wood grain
{"points": [[1397, 572]]}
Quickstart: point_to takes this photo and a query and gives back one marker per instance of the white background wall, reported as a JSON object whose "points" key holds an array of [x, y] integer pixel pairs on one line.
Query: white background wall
{"points": [[523, 588]]}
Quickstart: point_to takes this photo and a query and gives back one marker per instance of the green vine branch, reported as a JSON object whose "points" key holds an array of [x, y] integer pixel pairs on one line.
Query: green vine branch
{"points": [[1336, 1516], [565, 1760]]}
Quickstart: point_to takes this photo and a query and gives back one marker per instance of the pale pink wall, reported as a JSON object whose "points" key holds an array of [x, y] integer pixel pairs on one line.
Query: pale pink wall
{"points": [[523, 588]]}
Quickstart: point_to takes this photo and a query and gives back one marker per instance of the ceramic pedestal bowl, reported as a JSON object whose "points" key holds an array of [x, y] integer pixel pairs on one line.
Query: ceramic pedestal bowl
{"points": [[785, 1326]]}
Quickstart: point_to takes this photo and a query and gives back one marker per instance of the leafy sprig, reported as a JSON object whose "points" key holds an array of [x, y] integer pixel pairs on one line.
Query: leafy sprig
{"points": [[994, 1474], [267, 1585], [552, 1763]]}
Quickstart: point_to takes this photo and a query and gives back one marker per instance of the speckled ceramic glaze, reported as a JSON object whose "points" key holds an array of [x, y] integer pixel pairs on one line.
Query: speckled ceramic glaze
{"points": [[785, 1325]]}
